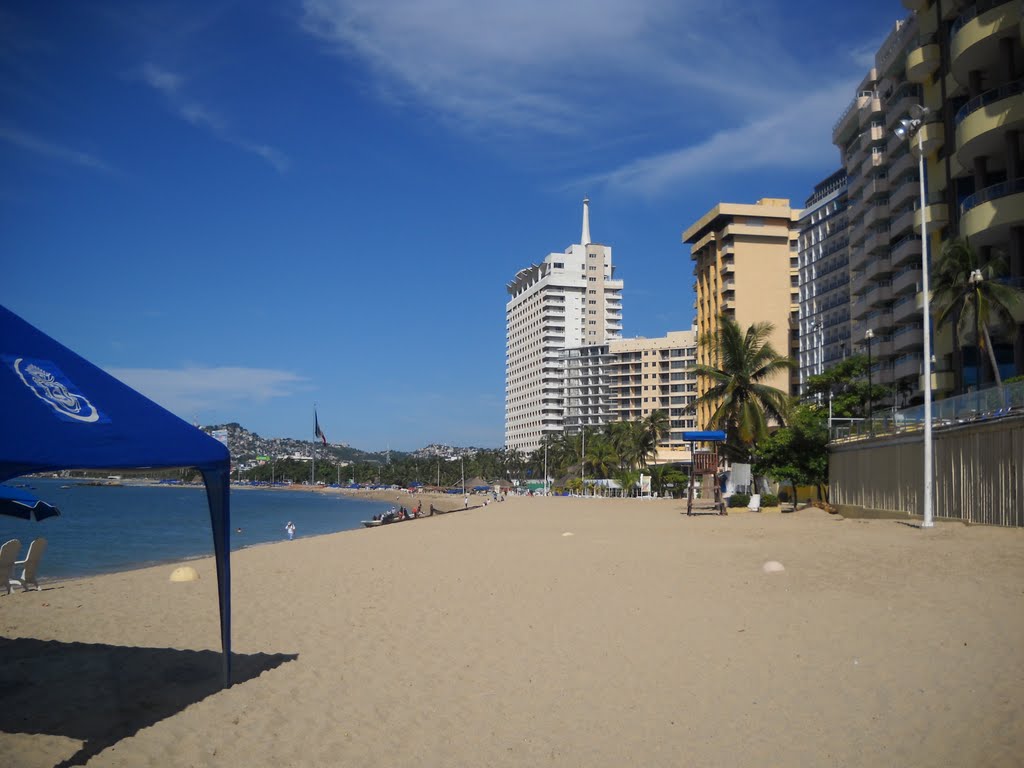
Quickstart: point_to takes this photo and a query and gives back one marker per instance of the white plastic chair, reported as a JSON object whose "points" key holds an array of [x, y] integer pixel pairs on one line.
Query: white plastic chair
{"points": [[8, 555], [29, 566], [755, 503]]}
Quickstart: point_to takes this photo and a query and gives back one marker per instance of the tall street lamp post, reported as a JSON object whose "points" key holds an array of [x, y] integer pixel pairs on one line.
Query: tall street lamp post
{"points": [[906, 130], [868, 336]]}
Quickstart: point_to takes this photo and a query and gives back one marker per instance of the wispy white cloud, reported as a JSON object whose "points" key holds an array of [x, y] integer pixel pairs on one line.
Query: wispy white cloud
{"points": [[796, 135], [194, 389], [48, 149], [171, 86], [592, 70]]}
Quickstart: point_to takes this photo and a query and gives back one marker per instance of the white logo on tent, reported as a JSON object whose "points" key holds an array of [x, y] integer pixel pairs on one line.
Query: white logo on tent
{"points": [[50, 389]]}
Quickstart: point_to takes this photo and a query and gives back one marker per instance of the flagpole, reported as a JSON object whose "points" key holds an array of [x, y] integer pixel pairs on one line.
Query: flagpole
{"points": [[312, 469]]}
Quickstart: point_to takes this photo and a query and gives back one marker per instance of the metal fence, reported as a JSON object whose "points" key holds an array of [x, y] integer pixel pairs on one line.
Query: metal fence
{"points": [[991, 403]]}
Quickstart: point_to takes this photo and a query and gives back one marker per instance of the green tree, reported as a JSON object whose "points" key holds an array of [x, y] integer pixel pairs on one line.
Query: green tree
{"points": [[970, 296], [602, 459], [665, 478], [847, 381], [743, 401], [798, 452]]}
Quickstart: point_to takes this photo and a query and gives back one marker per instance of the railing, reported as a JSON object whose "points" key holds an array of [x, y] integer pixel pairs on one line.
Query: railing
{"points": [[994, 402], [973, 12], [994, 192], [989, 97]]}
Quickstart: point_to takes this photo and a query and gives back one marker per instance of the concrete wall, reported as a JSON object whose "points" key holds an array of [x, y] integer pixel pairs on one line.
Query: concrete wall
{"points": [[978, 471]]}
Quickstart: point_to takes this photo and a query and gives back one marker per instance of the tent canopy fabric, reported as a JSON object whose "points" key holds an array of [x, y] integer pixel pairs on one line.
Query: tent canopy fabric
{"points": [[59, 411]]}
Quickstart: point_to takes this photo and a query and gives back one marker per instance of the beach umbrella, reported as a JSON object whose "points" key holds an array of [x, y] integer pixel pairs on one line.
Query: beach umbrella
{"points": [[17, 502]]}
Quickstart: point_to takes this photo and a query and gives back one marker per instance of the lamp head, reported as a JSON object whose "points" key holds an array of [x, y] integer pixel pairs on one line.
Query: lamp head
{"points": [[904, 128], [869, 334], [976, 277]]}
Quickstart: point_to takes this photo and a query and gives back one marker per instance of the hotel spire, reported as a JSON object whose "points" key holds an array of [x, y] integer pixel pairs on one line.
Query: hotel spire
{"points": [[585, 237]]}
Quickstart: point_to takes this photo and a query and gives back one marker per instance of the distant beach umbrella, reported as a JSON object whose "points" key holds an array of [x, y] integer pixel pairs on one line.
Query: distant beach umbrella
{"points": [[17, 502]]}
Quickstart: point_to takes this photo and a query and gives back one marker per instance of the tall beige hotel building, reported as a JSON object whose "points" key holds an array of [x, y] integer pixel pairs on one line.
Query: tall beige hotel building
{"points": [[745, 268]]}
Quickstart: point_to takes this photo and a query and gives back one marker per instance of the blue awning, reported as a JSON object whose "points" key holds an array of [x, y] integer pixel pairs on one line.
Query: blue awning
{"points": [[59, 411], [705, 436]]}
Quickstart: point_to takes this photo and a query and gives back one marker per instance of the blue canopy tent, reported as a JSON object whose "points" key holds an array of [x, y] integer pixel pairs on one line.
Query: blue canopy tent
{"points": [[59, 411]]}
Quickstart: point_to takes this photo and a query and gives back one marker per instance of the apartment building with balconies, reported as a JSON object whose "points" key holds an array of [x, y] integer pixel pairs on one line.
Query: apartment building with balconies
{"points": [[649, 374], [884, 242], [569, 300], [824, 284], [745, 267], [968, 60]]}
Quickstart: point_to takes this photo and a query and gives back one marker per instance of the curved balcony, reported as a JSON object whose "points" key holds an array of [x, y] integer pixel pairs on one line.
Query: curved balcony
{"points": [[987, 216], [903, 188], [982, 123], [898, 105], [907, 337], [906, 281], [922, 62], [935, 216], [974, 36], [932, 136]]}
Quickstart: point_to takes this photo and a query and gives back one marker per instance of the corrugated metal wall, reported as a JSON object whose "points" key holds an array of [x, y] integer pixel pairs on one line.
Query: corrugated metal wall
{"points": [[978, 472]]}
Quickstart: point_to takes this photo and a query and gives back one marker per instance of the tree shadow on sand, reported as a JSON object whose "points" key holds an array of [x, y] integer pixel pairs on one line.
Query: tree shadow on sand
{"points": [[100, 694]]}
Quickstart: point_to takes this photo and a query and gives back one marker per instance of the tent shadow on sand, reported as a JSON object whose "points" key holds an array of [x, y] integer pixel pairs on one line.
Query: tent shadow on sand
{"points": [[100, 694]]}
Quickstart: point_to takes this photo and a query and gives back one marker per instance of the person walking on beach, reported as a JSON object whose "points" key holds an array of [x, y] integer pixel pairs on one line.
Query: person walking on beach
{"points": [[289, 528], [465, 502]]}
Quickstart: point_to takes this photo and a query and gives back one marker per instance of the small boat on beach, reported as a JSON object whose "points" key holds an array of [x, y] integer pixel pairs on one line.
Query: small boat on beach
{"points": [[371, 523]]}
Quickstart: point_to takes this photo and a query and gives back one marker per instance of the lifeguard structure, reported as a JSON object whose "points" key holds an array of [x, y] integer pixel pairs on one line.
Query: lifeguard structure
{"points": [[705, 464]]}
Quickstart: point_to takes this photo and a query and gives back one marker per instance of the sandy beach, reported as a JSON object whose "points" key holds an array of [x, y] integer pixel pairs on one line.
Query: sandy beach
{"points": [[493, 637]]}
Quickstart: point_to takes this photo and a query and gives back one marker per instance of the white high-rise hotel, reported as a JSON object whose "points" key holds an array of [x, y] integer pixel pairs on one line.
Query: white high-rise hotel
{"points": [[571, 299]]}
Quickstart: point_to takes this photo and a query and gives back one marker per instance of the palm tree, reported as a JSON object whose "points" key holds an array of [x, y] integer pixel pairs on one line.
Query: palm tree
{"points": [[655, 426], [969, 296], [602, 459], [743, 402]]}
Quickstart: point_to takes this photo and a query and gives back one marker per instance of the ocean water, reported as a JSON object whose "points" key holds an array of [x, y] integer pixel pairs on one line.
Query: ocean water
{"points": [[103, 529]]}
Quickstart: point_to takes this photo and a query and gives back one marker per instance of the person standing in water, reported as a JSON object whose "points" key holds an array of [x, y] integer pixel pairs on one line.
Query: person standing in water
{"points": [[289, 528]]}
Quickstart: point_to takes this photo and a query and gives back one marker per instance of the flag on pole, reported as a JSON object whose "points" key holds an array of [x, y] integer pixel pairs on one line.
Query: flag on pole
{"points": [[316, 429]]}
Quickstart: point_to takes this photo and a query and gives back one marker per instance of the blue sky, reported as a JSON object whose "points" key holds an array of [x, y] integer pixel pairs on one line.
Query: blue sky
{"points": [[243, 209]]}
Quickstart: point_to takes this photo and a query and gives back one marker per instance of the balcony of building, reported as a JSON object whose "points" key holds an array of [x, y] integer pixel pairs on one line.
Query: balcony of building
{"points": [[876, 214], [906, 281], [923, 59], [859, 282], [935, 215], [906, 338], [847, 124], [902, 222], [906, 250], [872, 160], [987, 216], [879, 268], [879, 294], [869, 110], [983, 122], [854, 183], [905, 309], [907, 366], [897, 106], [903, 188], [877, 186], [974, 38], [876, 241], [901, 162]]}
